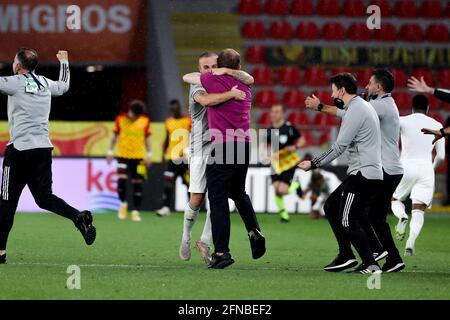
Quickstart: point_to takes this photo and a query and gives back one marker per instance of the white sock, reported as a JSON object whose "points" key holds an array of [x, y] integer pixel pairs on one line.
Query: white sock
{"points": [[207, 234], [398, 208], [416, 224], [190, 216]]}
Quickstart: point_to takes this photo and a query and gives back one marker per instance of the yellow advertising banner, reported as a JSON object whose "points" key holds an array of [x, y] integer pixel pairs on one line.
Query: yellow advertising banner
{"points": [[87, 139]]}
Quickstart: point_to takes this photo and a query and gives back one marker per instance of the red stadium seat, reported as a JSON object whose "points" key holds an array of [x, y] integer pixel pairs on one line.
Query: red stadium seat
{"points": [[437, 33], [402, 99], [401, 79], [281, 30], [354, 8], [431, 9], [443, 78], [325, 138], [328, 8], [322, 119], [363, 76], [266, 98], [294, 99], [405, 9], [290, 76], [384, 7], [324, 97], [425, 73], [255, 54], [333, 31], [411, 32], [341, 70], [264, 120], [359, 32], [309, 139], [302, 8], [307, 31], [277, 7], [316, 76], [433, 101], [250, 7], [438, 117], [387, 33], [253, 30], [298, 118], [263, 76]]}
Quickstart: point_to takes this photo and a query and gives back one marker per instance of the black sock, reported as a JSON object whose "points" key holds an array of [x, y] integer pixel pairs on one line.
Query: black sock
{"points": [[167, 197], [137, 195], [122, 189]]}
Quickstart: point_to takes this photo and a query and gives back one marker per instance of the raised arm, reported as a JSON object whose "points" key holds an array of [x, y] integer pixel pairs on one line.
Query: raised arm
{"points": [[60, 87], [239, 75], [9, 85], [313, 103], [349, 129], [192, 78]]}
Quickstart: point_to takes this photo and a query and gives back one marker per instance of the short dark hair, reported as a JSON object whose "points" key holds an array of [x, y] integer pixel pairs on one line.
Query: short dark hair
{"points": [[28, 58], [207, 54], [385, 78], [345, 80], [420, 103], [229, 58], [137, 107]]}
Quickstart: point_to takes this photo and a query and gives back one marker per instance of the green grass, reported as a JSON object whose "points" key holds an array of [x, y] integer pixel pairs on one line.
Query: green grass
{"points": [[140, 261]]}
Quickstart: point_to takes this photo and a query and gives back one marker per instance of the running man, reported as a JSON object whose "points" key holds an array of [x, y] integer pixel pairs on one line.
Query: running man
{"points": [[285, 141], [132, 131], [200, 149], [379, 89], [419, 177], [28, 156]]}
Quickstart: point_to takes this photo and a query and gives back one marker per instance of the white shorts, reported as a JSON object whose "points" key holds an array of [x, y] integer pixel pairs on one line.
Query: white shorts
{"points": [[197, 174], [417, 183]]}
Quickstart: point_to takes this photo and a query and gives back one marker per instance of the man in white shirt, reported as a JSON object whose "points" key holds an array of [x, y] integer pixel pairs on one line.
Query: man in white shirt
{"points": [[419, 167]]}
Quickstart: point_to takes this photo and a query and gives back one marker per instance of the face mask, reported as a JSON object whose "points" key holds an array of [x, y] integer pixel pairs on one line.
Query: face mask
{"points": [[339, 103]]}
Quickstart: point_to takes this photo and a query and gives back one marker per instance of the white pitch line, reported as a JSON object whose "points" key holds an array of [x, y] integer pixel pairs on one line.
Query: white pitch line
{"points": [[149, 266]]}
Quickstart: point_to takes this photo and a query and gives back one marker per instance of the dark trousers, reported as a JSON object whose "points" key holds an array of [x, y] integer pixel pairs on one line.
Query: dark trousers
{"points": [[226, 180], [33, 168], [382, 238], [346, 210]]}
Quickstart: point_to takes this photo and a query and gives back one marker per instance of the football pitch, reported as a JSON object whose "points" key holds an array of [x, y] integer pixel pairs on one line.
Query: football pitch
{"points": [[140, 261]]}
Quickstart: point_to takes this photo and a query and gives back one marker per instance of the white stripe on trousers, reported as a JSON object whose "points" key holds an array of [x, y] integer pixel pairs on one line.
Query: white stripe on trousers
{"points": [[5, 186], [348, 205]]}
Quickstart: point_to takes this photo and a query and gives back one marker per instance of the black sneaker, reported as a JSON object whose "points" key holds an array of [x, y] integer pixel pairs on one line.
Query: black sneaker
{"points": [[393, 266], [220, 262], [3, 259], [341, 263], [257, 243], [380, 256], [83, 222], [367, 269]]}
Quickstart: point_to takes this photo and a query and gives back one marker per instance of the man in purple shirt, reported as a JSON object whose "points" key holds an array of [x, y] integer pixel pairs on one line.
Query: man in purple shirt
{"points": [[229, 125]]}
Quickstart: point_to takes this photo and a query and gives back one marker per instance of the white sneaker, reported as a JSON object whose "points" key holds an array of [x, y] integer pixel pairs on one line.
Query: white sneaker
{"points": [[400, 229], [135, 216], [185, 250], [163, 212]]}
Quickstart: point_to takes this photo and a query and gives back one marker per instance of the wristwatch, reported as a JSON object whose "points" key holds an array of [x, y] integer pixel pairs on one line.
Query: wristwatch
{"points": [[320, 107]]}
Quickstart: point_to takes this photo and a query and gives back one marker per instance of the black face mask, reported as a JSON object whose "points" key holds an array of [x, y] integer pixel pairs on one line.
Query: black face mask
{"points": [[339, 103]]}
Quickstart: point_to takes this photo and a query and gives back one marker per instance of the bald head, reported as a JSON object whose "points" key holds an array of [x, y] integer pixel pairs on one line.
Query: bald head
{"points": [[28, 58], [229, 58]]}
